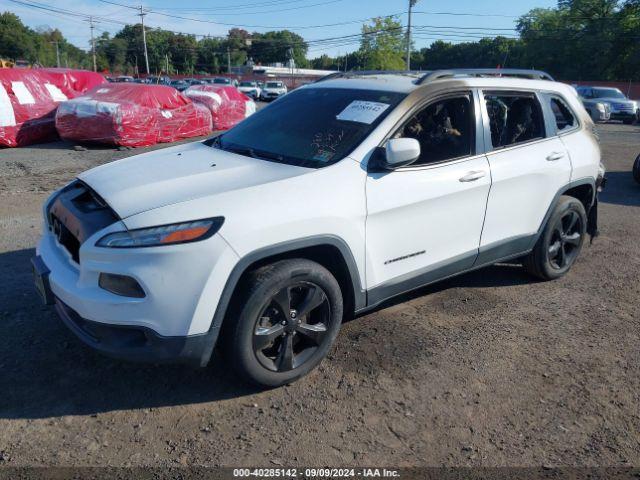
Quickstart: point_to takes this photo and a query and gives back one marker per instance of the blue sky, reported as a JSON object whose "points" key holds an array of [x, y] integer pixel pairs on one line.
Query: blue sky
{"points": [[453, 21]]}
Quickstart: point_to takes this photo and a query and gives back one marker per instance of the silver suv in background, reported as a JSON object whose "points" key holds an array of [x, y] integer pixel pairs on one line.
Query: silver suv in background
{"points": [[596, 100]]}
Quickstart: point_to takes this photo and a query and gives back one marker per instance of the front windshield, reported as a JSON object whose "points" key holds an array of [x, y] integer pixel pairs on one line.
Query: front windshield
{"points": [[310, 127], [607, 93], [221, 80], [247, 84], [274, 85]]}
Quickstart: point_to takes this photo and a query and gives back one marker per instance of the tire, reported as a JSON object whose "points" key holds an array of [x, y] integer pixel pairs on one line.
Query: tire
{"points": [[636, 169], [561, 241], [271, 347]]}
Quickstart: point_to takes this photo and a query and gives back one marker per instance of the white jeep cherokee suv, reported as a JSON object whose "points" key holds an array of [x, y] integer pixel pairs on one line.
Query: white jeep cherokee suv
{"points": [[341, 195]]}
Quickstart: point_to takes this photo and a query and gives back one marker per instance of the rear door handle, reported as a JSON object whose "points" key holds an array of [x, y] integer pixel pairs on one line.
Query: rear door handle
{"points": [[473, 176], [553, 156]]}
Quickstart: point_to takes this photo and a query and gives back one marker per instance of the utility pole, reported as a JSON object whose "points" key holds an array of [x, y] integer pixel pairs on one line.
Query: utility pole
{"points": [[166, 58], [411, 5], [144, 38], [57, 54], [228, 60], [93, 44]]}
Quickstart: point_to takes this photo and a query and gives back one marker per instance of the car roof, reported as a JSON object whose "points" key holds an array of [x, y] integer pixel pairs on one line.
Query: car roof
{"points": [[407, 82]]}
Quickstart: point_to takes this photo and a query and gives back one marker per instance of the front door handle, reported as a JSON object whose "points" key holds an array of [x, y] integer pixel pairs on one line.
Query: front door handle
{"points": [[553, 156], [473, 176]]}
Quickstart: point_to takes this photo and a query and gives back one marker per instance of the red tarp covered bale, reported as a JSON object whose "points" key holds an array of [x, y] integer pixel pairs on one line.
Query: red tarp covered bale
{"points": [[227, 104], [74, 82], [28, 100], [132, 115]]}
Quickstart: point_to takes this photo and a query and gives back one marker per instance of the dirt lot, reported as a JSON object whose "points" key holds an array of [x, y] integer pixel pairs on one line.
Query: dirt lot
{"points": [[489, 369]]}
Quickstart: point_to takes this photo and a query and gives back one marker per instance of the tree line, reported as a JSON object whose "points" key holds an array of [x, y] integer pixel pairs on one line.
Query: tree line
{"points": [[577, 40]]}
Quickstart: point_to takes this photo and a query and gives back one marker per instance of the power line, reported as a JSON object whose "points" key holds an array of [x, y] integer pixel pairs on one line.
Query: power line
{"points": [[283, 27], [279, 10]]}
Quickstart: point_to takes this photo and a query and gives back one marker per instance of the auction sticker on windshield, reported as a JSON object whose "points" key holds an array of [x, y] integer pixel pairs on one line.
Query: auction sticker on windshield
{"points": [[362, 111]]}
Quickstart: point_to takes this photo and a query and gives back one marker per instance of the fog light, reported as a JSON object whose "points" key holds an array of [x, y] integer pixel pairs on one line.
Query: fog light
{"points": [[121, 285]]}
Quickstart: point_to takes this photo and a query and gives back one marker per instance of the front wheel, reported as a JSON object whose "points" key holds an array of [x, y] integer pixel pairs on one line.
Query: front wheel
{"points": [[561, 241], [289, 317]]}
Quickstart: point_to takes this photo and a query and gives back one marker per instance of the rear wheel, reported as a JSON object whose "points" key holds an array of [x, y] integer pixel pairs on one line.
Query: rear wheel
{"points": [[290, 316], [561, 241], [636, 169]]}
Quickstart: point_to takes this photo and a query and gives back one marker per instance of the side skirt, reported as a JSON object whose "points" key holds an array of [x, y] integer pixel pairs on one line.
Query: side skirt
{"points": [[484, 257]]}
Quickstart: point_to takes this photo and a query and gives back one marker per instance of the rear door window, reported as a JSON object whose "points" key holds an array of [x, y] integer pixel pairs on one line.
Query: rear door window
{"points": [[514, 118]]}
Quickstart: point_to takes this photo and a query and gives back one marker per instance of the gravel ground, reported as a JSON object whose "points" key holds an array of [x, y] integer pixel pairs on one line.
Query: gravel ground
{"points": [[487, 369]]}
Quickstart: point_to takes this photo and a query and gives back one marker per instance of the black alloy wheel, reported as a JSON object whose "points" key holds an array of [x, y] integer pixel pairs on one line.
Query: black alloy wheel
{"points": [[565, 241], [292, 326], [560, 242], [636, 169]]}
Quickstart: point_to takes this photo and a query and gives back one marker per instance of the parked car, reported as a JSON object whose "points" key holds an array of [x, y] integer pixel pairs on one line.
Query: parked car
{"points": [[158, 80], [273, 90], [222, 81], [131, 115], [29, 98], [341, 195], [194, 81], [227, 105], [251, 89], [124, 79], [636, 169], [598, 110], [180, 85], [620, 106]]}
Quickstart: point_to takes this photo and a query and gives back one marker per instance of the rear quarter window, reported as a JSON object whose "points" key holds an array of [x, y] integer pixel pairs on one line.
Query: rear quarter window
{"points": [[563, 116]]}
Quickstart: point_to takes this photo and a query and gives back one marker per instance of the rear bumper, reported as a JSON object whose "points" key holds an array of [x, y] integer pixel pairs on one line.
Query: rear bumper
{"points": [[138, 344]]}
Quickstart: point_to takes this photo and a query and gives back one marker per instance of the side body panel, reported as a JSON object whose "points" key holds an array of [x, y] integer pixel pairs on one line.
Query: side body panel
{"points": [[525, 180], [426, 217], [420, 217]]}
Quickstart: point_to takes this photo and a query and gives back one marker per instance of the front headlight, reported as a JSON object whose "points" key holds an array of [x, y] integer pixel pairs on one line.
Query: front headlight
{"points": [[163, 235], [600, 107]]}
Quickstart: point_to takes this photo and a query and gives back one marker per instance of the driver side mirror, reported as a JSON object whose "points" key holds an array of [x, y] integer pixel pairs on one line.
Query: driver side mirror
{"points": [[399, 152]]}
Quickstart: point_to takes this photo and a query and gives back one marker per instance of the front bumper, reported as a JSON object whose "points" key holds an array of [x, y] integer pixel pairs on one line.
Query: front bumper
{"points": [[623, 115], [172, 322], [272, 96], [139, 344]]}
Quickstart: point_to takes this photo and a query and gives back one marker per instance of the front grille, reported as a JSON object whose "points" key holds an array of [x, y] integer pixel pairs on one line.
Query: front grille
{"points": [[75, 214], [623, 106], [65, 237]]}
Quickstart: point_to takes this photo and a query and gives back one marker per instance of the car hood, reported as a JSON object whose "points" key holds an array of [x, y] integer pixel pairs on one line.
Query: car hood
{"points": [[178, 174]]}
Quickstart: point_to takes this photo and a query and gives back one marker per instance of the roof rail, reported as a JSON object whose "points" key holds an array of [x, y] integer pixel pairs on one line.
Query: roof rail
{"points": [[485, 72], [362, 73]]}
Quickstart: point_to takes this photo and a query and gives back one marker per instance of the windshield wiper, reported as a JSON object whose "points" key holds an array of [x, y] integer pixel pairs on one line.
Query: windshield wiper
{"points": [[251, 152]]}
